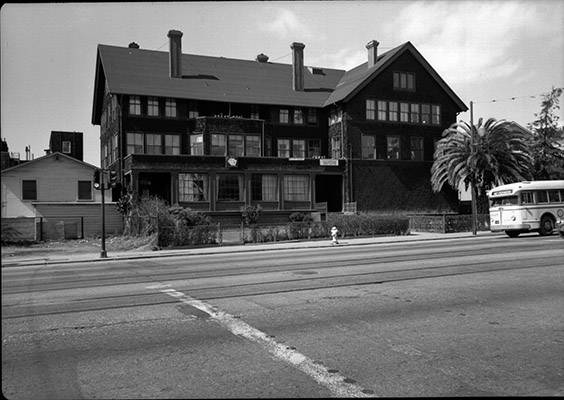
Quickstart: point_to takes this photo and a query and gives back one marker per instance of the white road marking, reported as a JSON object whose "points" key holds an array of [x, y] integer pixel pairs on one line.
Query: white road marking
{"points": [[335, 382]]}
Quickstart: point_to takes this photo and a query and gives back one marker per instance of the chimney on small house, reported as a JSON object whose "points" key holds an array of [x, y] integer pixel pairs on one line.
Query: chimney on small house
{"points": [[372, 48], [175, 53], [298, 66]]}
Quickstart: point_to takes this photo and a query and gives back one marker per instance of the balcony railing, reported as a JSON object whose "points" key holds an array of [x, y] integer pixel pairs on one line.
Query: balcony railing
{"points": [[226, 124]]}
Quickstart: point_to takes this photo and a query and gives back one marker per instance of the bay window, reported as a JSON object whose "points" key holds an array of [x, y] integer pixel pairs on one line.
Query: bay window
{"points": [[296, 188], [264, 187], [229, 187], [192, 187]]}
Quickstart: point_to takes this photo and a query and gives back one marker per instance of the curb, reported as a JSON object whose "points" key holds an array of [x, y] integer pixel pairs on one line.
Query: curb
{"points": [[181, 252]]}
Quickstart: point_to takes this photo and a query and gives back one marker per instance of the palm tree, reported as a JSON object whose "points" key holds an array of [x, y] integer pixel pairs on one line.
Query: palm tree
{"points": [[500, 155]]}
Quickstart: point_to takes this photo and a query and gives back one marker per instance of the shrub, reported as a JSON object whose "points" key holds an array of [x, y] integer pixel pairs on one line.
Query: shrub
{"points": [[300, 217], [251, 214]]}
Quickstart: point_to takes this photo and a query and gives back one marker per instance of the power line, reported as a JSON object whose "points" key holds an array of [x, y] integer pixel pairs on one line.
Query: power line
{"points": [[505, 99], [285, 55], [162, 45]]}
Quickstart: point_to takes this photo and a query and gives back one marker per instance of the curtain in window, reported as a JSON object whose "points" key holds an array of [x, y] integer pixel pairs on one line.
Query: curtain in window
{"points": [[296, 187]]}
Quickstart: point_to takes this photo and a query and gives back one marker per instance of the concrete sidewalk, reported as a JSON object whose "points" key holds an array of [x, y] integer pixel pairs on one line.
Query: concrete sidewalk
{"points": [[13, 261]]}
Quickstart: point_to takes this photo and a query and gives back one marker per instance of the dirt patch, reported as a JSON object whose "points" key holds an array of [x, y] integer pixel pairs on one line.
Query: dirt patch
{"points": [[79, 246]]}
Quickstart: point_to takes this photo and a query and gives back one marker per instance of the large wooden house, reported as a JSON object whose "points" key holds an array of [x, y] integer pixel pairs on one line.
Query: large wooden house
{"points": [[216, 134]]}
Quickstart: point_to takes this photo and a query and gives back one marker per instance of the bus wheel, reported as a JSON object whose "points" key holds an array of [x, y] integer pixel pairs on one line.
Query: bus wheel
{"points": [[546, 225], [512, 234]]}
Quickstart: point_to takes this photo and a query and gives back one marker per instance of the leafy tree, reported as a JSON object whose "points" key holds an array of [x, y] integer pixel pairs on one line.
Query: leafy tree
{"points": [[501, 156], [548, 157]]}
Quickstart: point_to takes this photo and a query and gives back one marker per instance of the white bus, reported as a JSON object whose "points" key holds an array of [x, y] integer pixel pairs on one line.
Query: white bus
{"points": [[526, 207]]}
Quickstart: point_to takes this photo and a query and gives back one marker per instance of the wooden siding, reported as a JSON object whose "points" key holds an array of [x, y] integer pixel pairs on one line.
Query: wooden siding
{"points": [[90, 213], [57, 181]]}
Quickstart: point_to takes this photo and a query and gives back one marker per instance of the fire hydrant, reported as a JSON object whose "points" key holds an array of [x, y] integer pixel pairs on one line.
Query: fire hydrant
{"points": [[334, 233]]}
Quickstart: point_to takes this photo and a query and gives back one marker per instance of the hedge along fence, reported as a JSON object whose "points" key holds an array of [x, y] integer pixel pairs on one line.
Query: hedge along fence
{"points": [[447, 223], [348, 225]]}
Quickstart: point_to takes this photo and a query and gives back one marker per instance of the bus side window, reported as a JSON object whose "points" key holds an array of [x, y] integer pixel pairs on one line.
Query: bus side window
{"points": [[527, 198], [553, 196], [541, 196]]}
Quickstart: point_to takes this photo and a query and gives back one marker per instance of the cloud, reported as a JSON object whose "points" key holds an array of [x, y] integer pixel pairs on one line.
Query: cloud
{"points": [[286, 24], [346, 58], [470, 40]]}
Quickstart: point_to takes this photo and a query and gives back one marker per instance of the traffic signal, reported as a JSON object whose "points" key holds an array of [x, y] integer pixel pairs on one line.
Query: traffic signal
{"points": [[97, 179], [113, 178]]}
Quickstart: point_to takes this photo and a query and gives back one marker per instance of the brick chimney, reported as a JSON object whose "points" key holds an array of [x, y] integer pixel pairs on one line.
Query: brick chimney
{"points": [[372, 48], [298, 65], [175, 53]]}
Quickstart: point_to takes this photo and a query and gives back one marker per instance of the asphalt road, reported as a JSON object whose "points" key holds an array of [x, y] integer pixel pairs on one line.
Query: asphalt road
{"points": [[463, 317]]}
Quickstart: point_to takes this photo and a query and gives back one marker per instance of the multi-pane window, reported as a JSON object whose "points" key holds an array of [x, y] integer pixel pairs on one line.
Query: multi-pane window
{"points": [[298, 148], [414, 113], [115, 148], [416, 145], [425, 113], [170, 108], [268, 146], [313, 148], [312, 116], [296, 188], [135, 143], [192, 187], [382, 110], [154, 143], [236, 146], [283, 148], [393, 147], [218, 144], [284, 116], [197, 145], [254, 112], [172, 144], [393, 111], [192, 110], [229, 187], [84, 190], [298, 116], [134, 105], [66, 147], [252, 146], [436, 116], [153, 106], [29, 190], [105, 160], [336, 147], [404, 112], [264, 187], [370, 109], [404, 80], [368, 147]]}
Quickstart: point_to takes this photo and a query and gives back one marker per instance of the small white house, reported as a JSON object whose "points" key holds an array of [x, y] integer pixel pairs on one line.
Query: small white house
{"points": [[55, 188]]}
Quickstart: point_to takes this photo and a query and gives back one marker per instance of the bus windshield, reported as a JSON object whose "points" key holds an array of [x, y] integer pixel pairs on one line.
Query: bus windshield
{"points": [[505, 201]]}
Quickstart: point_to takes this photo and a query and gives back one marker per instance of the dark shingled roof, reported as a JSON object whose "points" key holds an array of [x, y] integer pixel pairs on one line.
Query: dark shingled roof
{"points": [[146, 73]]}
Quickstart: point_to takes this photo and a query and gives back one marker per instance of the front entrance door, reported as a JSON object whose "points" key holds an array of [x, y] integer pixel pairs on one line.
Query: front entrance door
{"points": [[329, 188], [155, 184]]}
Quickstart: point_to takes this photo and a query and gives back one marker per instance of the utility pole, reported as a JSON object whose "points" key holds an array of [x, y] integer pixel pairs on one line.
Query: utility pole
{"points": [[473, 186], [103, 253]]}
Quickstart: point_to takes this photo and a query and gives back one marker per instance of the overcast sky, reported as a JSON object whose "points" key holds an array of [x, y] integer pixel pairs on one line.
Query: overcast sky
{"points": [[484, 50]]}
